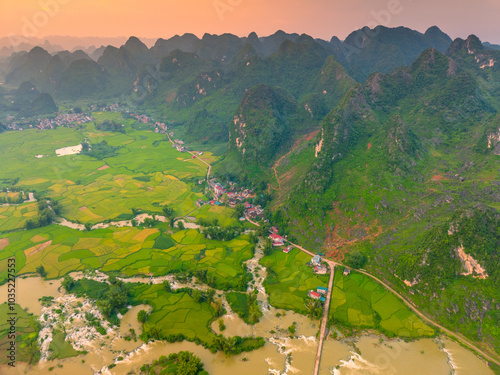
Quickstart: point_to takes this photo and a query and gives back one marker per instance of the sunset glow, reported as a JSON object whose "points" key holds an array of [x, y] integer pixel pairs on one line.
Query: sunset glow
{"points": [[319, 18]]}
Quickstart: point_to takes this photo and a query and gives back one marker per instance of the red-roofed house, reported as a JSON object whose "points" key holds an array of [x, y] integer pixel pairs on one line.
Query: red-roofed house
{"points": [[314, 294]]}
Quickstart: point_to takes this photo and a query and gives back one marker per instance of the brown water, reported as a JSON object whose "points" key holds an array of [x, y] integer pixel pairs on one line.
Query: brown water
{"points": [[392, 357], [463, 361], [280, 355], [30, 289]]}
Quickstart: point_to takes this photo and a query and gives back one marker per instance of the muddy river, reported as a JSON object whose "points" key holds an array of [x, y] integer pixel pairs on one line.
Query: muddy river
{"points": [[366, 355]]}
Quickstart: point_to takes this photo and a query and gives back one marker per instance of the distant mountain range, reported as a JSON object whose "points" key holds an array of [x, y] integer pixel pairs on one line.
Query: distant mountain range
{"points": [[386, 143]]}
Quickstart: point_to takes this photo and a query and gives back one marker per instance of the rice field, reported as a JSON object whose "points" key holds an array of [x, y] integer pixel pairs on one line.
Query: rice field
{"points": [[359, 301], [25, 332], [15, 216], [176, 313], [125, 251], [290, 279], [145, 172]]}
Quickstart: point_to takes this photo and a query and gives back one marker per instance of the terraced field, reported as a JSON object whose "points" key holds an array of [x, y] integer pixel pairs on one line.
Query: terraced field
{"points": [[126, 251], [15, 216], [25, 329], [290, 279], [176, 313], [144, 172], [359, 301]]}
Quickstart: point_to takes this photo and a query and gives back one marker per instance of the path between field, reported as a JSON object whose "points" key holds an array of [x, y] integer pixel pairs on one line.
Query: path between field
{"points": [[324, 321], [200, 159], [458, 337]]}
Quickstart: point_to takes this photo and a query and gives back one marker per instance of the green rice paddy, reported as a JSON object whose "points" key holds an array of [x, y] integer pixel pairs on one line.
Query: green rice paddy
{"points": [[145, 173], [359, 301], [25, 332], [176, 313], [290, 279], [15, 216], [126, 251]]}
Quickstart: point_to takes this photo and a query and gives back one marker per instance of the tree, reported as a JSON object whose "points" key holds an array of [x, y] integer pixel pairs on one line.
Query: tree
{"points": [[142, 316], [356, 259], [68, 283], [169, 212], [88, 227], [180, 224], [41, 271], [149, 222], [30, 224], [314, 308], [240, 210], [167, 286], [268, 247], [197, 295]]}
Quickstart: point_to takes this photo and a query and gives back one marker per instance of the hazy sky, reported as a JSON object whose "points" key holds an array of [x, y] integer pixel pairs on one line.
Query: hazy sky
{"points": [[319, 18]]}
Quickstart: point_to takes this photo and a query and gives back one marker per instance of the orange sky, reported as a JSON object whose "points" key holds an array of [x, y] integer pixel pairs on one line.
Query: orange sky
{"points": [[319, 18]]}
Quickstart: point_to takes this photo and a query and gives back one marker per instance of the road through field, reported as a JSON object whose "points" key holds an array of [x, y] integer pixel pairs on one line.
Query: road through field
{"points": [[332, 265]]}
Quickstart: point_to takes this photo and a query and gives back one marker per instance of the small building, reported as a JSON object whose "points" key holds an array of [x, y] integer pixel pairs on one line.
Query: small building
{"points": [[316, 259], [321, 290], [276, 237], [287, 249], [347, 271], [320, 270], [322, 299], [273, 230], [314, 294]]}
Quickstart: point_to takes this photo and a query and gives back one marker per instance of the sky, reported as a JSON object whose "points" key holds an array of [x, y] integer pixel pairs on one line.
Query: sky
{"points": [[318, 18]]}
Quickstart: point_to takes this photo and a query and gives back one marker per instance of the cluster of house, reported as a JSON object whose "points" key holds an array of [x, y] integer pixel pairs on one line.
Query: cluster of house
{"points": [[104, 108], [179, 145], [160, 127], [252, 211], [319, 294], [141, 118], [318, 267], [64, 120], [234, 197], [279, 240]]}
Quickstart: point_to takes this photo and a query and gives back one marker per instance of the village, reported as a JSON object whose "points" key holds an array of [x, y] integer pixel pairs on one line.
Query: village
{"points": [[232, 196]]}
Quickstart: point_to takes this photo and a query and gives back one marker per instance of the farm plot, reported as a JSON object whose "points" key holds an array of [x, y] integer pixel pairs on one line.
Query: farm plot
{"points": [[290, 279], [113, 195], [25, 329], [224, 215], [144, 173], [15, 216], [176, 313], [126, 251], [190, 252], [359, 301]]}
